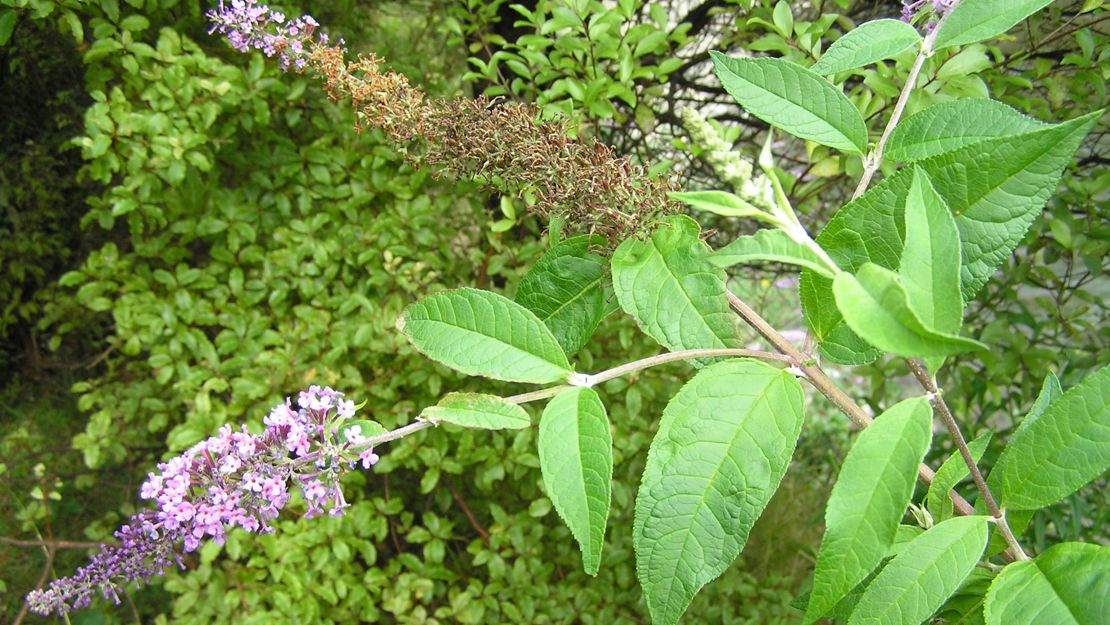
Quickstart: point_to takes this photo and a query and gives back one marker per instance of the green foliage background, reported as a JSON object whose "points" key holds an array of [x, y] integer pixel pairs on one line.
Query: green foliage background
{"points": [[190, 235]]}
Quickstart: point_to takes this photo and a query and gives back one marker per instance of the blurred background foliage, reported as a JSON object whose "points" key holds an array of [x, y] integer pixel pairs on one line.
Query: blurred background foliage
{"points": [[188, 235]]}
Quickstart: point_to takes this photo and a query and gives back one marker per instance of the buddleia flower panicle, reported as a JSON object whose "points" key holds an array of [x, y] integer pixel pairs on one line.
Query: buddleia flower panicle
{"points": [[509, 144], [249, 25], [233, 479]]}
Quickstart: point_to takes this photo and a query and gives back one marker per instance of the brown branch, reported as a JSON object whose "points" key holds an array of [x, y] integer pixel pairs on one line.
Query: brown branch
{"points": [[949, 422], [50, 544], [466, 510]]}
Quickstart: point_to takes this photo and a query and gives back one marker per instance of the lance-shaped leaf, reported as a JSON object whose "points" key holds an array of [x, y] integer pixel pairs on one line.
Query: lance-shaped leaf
{"points": [[1068, 446], [869, 500], [483, 333], [930, 263], [720, 203], [1050, 392], [995, 189], [478, 411], [672, 291], [982, 19], [1068, 584], [769, 245], [865, 44], [793, 99], [566, 290], [928, 571], [723, 445], [950, 473], [576, 458], [952, 125], [874, 305]]}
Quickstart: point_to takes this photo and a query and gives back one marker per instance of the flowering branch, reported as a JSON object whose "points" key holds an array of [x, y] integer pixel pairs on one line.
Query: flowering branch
{"points": [[234, 479]]}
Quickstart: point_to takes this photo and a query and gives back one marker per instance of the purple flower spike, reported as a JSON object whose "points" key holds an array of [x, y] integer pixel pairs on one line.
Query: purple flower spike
{"points": [[249, 25], [233, 479]]}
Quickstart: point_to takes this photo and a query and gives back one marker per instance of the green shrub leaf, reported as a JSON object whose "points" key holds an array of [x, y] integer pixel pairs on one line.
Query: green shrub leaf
{"points": [[477, 411], [565, 290], [1068, 584], [723, 445], [576, 458], [875, 307], [720, 203], [975, 21], [869, 500], [672, 291], [366, 428], [794, 99], [483, 333], [952, 125], [1063, 449], [865, 44], [930, 263], [769, 245], [927, 571], [1050, 392], [950, 473]]}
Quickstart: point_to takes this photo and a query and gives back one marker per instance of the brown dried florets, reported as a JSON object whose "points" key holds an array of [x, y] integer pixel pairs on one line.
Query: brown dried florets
{"points": [[506, 145]]}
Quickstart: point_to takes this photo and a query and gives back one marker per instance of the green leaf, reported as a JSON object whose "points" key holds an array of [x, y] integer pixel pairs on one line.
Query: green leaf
{"points": [[1068, 446], [1050, 392], [565, 290], [930, 263], [723, 445], [951, 473], [874, 306], [928, 571], [794, 99], [869, 500], [366, 428], [865, 44], [8, 20], [672, 291], [719, 203], [769, 245], [478, 411], [483, 333], [576, 458], [783, 18], [952, 125], [1068, 584], [982, 19], [876, 213], [995, 189]]}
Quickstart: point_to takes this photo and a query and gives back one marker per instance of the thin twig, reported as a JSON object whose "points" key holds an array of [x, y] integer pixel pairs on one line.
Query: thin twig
{"points": [[52, 544], [688, 354], [466, 510], [949, 422], [874, 160]]}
